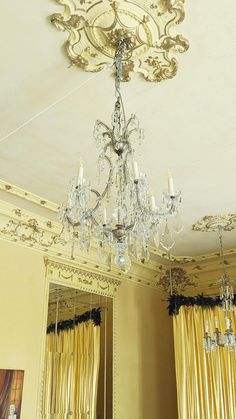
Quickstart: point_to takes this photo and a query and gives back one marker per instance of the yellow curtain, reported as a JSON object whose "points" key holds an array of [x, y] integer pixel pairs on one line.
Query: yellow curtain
{"points": [[206, 382], [71, 373]]}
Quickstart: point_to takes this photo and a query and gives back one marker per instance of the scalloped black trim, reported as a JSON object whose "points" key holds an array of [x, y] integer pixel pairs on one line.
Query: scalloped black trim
{"points": [[178, 300], [94, 315]]}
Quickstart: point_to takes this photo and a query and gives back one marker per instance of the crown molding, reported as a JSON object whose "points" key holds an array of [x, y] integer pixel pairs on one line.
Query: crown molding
{"points": [[28, 196], [38, 232], [71, 275], [182, 259], [24, 228], [41, 202]]}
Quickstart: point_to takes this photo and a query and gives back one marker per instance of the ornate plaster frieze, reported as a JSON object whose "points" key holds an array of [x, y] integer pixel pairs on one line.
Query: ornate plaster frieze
{"points": [[94, 28], [21, 226], [15, 191], [39, 233], [69, 274]]}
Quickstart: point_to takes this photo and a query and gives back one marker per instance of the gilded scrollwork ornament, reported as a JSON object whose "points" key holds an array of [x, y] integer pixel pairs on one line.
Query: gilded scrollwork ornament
{"points": [[211, 223], [95, 29], [178, 281], [28, 231]]}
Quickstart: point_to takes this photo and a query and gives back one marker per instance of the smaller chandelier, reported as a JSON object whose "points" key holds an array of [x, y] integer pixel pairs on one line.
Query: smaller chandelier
{"points": [[219, 340], [124, 217], [228, 339]]}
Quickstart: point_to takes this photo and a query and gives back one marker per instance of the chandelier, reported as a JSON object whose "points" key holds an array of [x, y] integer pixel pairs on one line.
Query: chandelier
{"points": [[124, 218], [228, 339]]}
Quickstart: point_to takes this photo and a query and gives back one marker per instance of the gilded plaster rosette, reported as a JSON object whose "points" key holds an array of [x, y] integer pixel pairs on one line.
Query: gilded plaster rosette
{"points": [[95, 27], [211, 223]]}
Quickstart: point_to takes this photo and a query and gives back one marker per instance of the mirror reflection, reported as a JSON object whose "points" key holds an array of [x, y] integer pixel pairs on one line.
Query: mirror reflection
{"points": [[78, 357]]}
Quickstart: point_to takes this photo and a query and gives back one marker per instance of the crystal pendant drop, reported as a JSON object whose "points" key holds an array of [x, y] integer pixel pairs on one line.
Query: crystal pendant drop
{"points": [[120, 260], [157, 238], [126, 267], [167, 240], [176, 223]]}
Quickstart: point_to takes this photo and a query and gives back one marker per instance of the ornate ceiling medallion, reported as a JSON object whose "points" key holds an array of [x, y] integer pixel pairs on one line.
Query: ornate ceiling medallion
{"points": [[211, 223], [95, 29]]}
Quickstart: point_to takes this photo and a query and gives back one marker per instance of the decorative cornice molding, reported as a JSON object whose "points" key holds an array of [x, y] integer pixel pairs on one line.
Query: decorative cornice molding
{"points": [[157, 253], [41, 234], [69, 274], [24, 228], [28, 196], [95, 27], [85, 276]]}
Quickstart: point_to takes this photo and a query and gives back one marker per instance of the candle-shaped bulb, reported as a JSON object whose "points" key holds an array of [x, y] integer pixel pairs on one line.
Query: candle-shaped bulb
{"points": [[228, 322], [171, 184], [135, 170], [153, 203], [81, 172], [207, 327], [216, 322]]}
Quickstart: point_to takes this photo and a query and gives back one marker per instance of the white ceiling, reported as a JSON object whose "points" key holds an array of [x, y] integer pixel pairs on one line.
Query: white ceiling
{"points": [[189, 122]]}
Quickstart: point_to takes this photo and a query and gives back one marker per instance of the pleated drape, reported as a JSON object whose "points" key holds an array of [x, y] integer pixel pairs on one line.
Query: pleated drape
{"points": [[206, 382], [71, 373]]}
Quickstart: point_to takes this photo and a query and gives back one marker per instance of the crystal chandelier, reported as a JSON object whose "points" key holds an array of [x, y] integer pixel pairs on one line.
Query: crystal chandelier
{"points": [[228, 339], [124, 218]]}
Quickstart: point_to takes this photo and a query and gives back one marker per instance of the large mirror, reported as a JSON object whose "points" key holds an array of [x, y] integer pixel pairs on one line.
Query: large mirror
{"points": [[78, 376]]}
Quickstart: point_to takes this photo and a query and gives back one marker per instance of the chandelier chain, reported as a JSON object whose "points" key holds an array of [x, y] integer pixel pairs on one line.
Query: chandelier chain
{"points": [[220, 229]]}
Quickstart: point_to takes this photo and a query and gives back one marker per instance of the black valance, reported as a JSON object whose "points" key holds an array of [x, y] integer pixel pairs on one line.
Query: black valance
{"points": [[94, 315], [178, 300]]}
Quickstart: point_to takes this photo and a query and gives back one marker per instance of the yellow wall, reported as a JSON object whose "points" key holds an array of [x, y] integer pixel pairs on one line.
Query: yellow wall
{"points": [[21, 311], [144, 367], [145, 361]]}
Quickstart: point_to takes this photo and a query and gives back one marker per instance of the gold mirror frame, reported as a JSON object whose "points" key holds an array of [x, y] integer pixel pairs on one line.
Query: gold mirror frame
{"points": [[71, 276]]}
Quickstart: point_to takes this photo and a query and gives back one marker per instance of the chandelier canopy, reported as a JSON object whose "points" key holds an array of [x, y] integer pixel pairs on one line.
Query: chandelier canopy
{"points": [[125, 217]]}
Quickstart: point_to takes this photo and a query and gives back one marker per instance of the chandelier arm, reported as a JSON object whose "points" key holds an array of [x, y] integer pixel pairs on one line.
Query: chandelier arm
{"points": [[90, 212], [129, 132], [77, 224], [104, 125], [104, 193]]}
